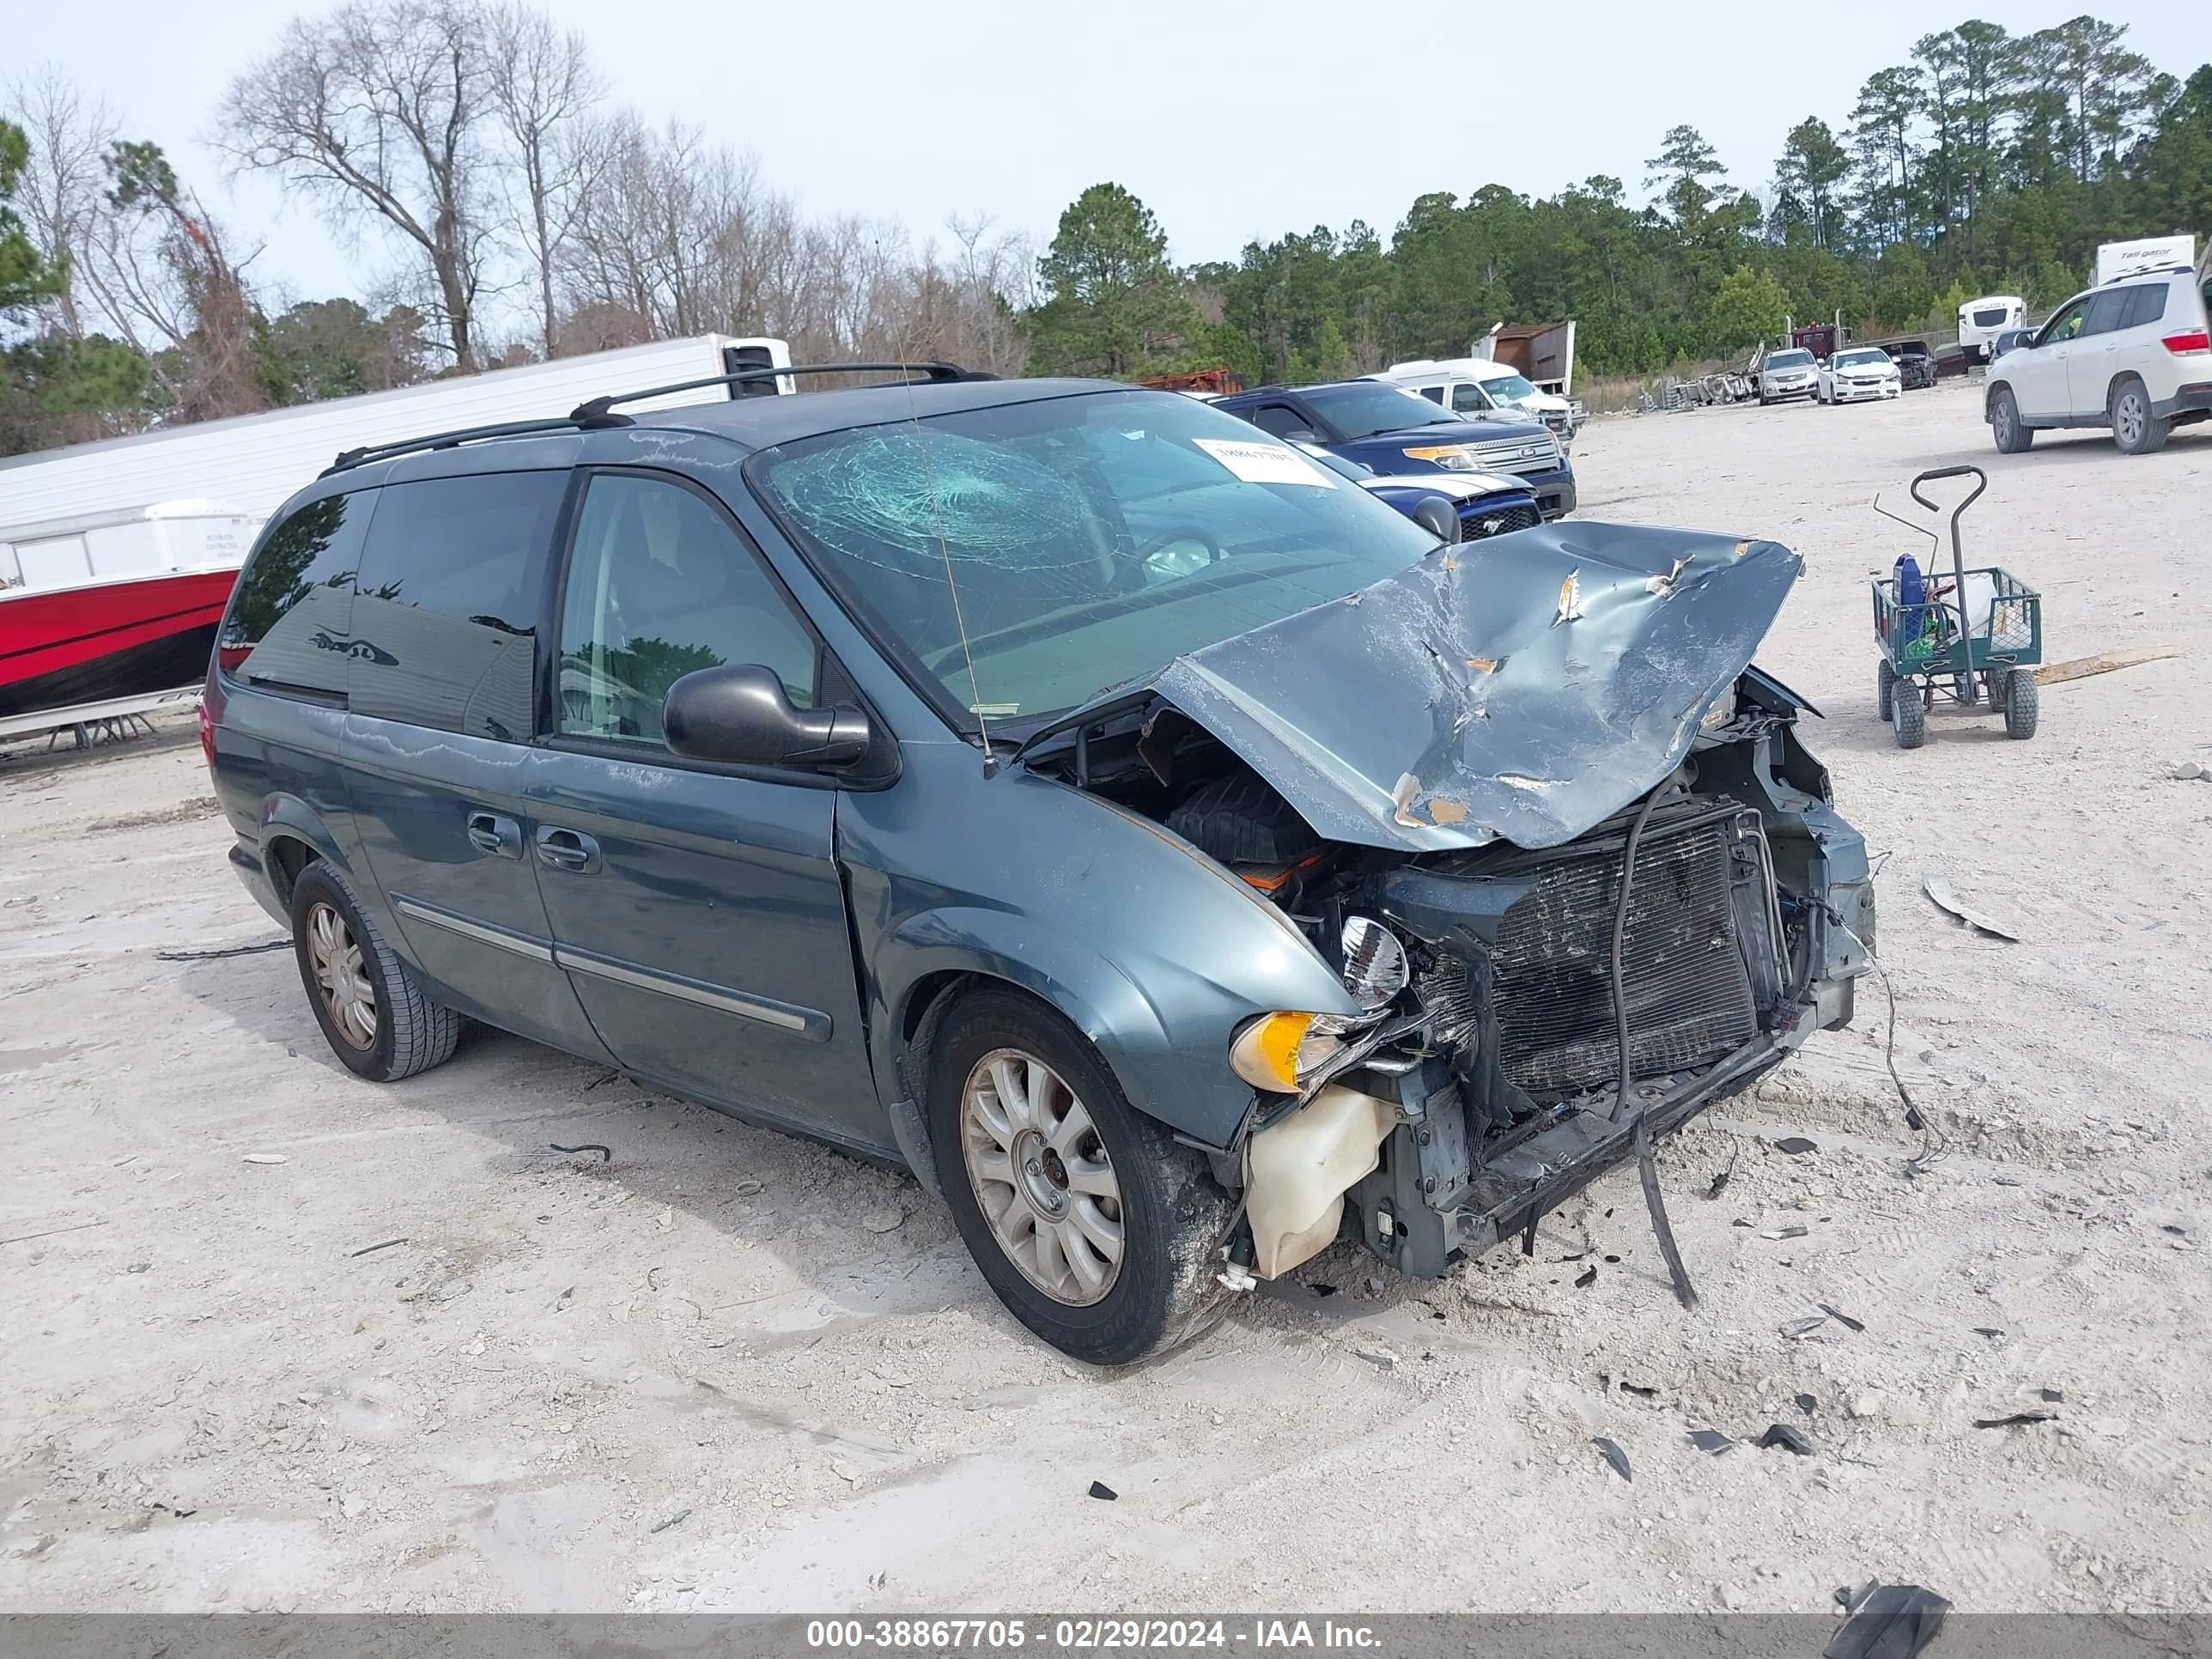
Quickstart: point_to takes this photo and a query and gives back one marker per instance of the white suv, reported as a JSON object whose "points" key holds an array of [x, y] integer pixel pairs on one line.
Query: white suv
{"points": [[2134, 356]]}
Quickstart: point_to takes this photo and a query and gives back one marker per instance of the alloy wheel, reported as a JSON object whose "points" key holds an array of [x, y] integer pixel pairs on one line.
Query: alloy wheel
{"points": [[1042, 1177], [341, 976], [2128, 419]]}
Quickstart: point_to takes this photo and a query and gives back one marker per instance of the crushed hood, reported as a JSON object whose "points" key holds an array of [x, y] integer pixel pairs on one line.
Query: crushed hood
{"points": [[1520, 689]]}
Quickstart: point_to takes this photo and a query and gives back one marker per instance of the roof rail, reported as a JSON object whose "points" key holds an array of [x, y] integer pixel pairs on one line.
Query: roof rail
{"points": [[348, 459], [597, 413]]}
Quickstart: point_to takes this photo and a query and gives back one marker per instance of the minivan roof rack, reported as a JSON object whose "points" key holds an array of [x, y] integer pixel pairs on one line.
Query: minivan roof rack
{"points": [[597, 413]]}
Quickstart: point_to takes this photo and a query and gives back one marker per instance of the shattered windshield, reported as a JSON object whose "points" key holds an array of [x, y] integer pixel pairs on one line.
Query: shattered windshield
{"points": [[1090, 540]]}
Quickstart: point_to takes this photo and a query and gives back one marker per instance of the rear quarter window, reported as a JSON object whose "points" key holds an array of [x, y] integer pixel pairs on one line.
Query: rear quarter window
{"points": [[288, 630], [2146, 305], [445, 606]]}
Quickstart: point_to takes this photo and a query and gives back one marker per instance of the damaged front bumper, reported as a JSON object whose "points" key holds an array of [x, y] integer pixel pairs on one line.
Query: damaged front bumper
{"points": [[1489, 1093]]}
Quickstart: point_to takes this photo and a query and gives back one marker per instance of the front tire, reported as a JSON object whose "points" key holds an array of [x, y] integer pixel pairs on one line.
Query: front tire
{"points": [[1908, 716], [2136, 429], [1096, 1229], [367, 1001], [2021, 703], [1885, 689], [2011, 434]]}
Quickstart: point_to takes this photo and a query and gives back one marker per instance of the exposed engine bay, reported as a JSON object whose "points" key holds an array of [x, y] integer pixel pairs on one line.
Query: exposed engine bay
{"points": [[1481, 1083]]}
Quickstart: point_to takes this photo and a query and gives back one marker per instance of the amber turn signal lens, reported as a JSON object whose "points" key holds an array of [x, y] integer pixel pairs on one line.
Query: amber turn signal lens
{"points": [[1266, 1052]]}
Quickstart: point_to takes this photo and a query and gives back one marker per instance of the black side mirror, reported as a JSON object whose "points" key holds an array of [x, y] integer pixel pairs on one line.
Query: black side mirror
{"points": [[739, 714]]}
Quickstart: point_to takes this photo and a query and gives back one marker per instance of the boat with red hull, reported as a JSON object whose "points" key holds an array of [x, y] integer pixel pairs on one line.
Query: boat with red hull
{"points": [[113, 640], [123, 606]]}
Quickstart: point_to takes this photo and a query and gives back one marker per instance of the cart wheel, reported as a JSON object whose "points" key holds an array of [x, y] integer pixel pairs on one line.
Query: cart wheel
{"points": [[2019, 703], [1909, 716], [1995, 683], [1885, 683]]}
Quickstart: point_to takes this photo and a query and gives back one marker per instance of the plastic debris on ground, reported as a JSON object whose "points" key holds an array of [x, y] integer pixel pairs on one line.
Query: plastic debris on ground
{"points": [[1937, 886], [1888, 1622], [1789, 1439], [1710, 1440], [1611, 1451]]}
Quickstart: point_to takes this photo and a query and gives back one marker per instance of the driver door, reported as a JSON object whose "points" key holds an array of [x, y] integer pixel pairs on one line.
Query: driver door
{"points": [[2038, 371], [696, 908]]}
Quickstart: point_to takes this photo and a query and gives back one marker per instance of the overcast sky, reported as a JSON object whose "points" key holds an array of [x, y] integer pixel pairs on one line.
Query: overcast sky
{"points": [[1230, 122]]}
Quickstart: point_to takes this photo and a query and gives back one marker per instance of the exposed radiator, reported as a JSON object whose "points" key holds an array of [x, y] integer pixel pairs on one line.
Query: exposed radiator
{"points": [[1690, 995]]}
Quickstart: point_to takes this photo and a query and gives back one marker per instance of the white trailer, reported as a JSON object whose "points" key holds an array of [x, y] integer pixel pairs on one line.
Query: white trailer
{"points": [[2118, 259], [252, 462]]}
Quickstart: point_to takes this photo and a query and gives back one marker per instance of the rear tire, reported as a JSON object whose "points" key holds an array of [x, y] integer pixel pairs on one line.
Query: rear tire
{"points": [[2012, 435], [1909, 716], [367, 1001], [1884, 691], [2020, 703], [2135, 430], [1001, 1141]]}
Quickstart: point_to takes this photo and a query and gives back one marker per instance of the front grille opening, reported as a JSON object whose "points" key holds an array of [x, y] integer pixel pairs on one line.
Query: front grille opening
{"points": [[1691, 1000], [1498, 521]]}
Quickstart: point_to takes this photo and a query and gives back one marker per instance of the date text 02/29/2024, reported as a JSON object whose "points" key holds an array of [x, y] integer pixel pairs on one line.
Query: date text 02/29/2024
{"points": [[1257, 1635]]}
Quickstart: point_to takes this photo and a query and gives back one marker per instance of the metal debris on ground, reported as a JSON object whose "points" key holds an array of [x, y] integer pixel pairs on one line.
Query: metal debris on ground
{"points": [[267, 1157], [74, 1227], [2015, 1419], [1797, 1328], [1840, 1317], [1808, 1404], [1888, 1622], [1611, 1451], [1721, 1180], [1587, 1277], [1789, 1439], [1796, 1145], [371, 1249], [1100, 1489], [1710, 1440], [606, 1153], [1937, 886], [217, 955], [1794, 1230], [675, 1520]]}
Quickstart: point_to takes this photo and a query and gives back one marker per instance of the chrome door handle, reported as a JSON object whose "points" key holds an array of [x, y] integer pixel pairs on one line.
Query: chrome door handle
{"points": [[567, 849]]}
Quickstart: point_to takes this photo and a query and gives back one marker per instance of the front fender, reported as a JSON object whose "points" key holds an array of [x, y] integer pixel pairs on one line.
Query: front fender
{"points": [[1155, 953]]}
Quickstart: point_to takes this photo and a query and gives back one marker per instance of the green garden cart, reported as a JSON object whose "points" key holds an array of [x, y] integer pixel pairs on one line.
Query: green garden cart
{"points": [[1973, 636]]}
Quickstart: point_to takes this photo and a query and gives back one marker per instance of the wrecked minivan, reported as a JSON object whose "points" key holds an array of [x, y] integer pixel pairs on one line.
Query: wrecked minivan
{"points": [[1178, 857]]}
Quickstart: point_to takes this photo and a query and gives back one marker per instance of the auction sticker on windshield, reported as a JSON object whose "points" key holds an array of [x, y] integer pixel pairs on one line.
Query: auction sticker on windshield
{"points": [[1265, 463]]}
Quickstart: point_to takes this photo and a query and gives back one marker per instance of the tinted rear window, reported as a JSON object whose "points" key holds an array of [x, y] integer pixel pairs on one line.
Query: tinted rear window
{"points": [[286, 629], [445, 616], [1989, 316], [2146, 305]]}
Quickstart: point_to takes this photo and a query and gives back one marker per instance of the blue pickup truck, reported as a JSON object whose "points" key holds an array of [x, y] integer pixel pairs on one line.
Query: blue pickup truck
{"points": [[1400, 434]]}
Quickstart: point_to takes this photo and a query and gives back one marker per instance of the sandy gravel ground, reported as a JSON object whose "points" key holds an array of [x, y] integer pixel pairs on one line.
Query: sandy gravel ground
{"points": [[732, 1370]]}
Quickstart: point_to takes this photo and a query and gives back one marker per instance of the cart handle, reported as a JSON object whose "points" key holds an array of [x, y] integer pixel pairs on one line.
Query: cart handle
{"points": [[1958, 556]]}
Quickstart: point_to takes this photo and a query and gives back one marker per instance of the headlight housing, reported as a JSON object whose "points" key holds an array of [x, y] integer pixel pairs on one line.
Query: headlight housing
{"points": [[1277, 1052], [1453, 457]]}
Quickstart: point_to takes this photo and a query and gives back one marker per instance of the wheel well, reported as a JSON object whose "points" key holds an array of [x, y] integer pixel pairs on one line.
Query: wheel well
{"points": [[1990, 398], [287, 856], [2119, 379], [933, 995]]}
